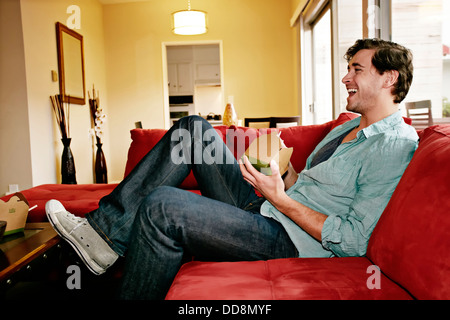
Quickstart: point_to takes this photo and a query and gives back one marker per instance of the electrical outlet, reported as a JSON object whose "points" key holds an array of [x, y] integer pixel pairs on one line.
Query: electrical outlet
{"points": [[13, 188]]}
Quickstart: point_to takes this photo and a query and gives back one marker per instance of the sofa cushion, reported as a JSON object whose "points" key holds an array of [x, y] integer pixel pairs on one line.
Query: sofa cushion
{"points": [[411, 240], [142, 141], [282, 279], [302, 138], [78, 199]]}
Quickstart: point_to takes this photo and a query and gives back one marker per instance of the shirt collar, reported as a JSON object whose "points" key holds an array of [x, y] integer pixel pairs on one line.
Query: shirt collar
{"points": [[376, 128], [383, 125]]}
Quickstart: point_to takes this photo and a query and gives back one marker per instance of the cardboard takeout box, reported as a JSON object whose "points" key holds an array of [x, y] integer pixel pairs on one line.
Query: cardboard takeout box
{"points": [[266, 148], [15, 213]]}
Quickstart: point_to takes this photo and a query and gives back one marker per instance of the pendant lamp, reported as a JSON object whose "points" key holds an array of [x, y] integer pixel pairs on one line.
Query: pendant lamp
{"points": [[189, 22]]}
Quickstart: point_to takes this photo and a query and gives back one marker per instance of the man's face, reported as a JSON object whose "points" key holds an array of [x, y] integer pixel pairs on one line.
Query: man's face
{"points": [[363, 82]]}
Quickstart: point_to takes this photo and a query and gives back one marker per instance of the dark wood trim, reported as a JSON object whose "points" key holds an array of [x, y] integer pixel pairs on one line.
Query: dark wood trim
{"points": [[272, 120], [26, 251]]}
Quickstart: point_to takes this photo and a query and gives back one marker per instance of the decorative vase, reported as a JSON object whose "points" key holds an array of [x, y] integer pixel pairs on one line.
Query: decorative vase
{"points": [[101, 173], [229, 116], [67, 163]]}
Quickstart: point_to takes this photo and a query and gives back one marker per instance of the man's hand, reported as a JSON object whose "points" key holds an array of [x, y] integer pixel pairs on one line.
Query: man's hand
{"points": [[271, 187]]}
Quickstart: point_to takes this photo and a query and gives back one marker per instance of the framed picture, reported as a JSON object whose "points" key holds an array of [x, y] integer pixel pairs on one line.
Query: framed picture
{"points": [[70, 64]]}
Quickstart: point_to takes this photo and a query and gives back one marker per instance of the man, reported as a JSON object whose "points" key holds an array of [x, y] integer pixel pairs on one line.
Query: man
{"points": [[329, 209]]}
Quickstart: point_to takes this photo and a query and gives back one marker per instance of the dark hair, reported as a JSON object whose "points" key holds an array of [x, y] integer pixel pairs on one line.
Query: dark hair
{"points": [[388, 56]]}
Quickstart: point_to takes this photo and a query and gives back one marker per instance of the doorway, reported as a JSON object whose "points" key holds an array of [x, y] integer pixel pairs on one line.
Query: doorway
{"points": [[193, 70]]}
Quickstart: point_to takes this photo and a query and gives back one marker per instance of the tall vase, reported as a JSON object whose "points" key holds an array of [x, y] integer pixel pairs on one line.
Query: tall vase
{"points": [[101, 173], [229, 116], [67, 164]]}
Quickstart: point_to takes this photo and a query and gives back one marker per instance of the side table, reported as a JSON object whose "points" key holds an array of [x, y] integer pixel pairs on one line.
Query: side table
{"points": [[18, 253]]}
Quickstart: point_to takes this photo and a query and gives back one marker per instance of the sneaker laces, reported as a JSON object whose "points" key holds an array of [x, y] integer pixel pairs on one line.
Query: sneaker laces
{"points": [[79, 220]]}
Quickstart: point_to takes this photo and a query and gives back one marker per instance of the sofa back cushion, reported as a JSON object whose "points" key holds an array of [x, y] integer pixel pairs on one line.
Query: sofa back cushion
{"points": [[302, 138], [411, 242]]}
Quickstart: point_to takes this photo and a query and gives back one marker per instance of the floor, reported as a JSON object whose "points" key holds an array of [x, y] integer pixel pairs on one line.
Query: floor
{"points": [[65, 279]]}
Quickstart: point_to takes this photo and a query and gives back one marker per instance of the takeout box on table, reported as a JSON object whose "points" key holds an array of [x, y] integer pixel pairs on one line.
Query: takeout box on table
{"points": [[15, 213]]}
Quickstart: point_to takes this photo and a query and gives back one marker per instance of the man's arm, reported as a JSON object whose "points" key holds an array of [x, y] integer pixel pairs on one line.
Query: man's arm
{"points": [[273, 189], [344, 233]]}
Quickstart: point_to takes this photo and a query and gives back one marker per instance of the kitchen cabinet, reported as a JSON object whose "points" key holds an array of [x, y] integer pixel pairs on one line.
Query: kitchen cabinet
{"points": [[181, 79], [207, 73], [190, 66]]}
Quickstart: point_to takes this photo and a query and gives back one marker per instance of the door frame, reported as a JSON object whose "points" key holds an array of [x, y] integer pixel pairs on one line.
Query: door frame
{"points": [[164, 46]]}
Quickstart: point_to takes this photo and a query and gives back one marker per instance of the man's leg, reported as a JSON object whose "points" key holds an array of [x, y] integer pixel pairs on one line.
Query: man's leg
{"points": [[172, 223], [113, 220], [219, 177]]}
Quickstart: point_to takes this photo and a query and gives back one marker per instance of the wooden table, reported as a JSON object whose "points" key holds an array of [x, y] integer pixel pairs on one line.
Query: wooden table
{"points": [[18, 252], [34, 267]]}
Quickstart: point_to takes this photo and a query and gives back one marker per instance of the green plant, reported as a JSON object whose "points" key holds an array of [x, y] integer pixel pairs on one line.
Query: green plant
{"points": [[445, 107]]}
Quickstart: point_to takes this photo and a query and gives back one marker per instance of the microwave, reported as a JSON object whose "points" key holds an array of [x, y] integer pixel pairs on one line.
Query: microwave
{"points": [[179, 111]]}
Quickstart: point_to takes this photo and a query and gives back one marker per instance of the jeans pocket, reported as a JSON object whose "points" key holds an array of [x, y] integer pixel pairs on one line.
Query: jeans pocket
{"points": [[255, 205]]}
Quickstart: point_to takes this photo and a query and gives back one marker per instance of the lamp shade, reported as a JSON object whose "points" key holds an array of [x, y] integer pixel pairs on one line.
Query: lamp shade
{"points": [[189, 22]]}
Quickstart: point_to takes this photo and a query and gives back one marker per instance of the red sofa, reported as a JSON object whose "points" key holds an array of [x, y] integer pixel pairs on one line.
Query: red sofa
{"points": [[410, 245]]}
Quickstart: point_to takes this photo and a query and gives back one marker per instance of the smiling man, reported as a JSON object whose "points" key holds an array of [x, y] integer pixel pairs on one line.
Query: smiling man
{"points": [[329, 209], [332, 207]]}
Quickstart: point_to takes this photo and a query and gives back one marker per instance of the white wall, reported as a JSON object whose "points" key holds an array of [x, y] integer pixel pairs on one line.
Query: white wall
{"points": [[208, 99], [15, 153]]}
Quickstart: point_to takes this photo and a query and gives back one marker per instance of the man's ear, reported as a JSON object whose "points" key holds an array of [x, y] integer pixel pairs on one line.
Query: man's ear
{"points": [[391, 78]]}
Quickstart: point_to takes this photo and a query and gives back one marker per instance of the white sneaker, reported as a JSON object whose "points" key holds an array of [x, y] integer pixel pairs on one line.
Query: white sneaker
{"points": [[92, 249]]}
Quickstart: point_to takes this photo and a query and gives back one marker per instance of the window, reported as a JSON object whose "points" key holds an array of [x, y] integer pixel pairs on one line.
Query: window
{"points": [[349, 29], [423, 27], [329, 28], [322, 72], [317, 67]]}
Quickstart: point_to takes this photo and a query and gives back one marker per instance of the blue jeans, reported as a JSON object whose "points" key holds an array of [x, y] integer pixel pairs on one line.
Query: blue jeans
{"points": [[156, 225]]}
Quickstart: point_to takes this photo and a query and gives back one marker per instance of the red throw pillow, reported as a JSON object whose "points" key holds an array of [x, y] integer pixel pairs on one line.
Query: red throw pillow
{"points": [[142, 141]]}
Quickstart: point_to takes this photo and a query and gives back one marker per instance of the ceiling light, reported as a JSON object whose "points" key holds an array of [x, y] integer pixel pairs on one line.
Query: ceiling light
{"points": [[189, 22]]}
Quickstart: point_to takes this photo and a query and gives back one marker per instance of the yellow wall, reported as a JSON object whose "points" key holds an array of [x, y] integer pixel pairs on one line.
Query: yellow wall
{"points": [[258, 61], [123, 58], [38, 23]]}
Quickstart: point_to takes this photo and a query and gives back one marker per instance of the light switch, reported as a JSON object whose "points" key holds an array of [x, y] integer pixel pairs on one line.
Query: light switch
{"points": [[54, 76]]}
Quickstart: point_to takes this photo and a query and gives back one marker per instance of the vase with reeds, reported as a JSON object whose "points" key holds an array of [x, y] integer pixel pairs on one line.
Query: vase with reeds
{"points": [[62, 114]]}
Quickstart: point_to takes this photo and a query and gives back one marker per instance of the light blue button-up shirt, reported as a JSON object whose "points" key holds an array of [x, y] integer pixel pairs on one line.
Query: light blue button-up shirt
{"points": [[352, 188]]}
